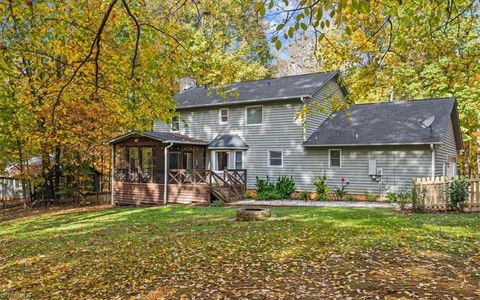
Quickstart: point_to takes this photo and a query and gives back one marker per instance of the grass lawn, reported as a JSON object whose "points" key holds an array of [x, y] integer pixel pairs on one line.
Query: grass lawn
{"points": [[195, 252]]}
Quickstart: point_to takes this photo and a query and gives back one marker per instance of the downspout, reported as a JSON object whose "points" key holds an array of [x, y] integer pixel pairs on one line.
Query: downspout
{"points": [[112, 176], [432, 148], [165, 173]]}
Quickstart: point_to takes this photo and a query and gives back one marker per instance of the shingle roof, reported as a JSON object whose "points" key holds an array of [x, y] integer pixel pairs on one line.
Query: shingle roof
{"points": [[163, 136], [228, 141], [387, 123], [255, 91]]}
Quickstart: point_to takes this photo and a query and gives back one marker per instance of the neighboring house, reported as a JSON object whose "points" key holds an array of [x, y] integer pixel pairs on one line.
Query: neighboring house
{"points": [[10, 188], [285, 126]]}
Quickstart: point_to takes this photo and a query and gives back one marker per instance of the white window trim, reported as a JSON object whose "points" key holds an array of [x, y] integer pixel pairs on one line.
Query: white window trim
{"points": [[246, 115], [220, 115], [329, 156], [171, 125], [235, 159], [275, 166]]}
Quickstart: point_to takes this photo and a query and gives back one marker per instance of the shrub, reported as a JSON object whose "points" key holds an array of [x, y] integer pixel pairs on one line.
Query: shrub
{"points": [[303, 196], [321, 187], [403, 198], [371, 197], [285, 186], [392, 197], [341, 191], [281, 189], [457, 192], [350, 198], [263, 184], [268, 195]]}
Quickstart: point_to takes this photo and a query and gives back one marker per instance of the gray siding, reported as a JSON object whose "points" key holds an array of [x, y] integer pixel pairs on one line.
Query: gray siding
{"points": [[445, 150], [159, 125], [399, 165], [321, 105], [280, 131]]}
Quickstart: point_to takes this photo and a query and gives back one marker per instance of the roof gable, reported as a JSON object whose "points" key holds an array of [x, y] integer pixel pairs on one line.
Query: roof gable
{"points": [[387, 123], [289, 87]]}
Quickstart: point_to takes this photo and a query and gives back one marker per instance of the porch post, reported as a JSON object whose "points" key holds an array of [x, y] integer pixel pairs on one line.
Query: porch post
{"points": [[112, 174], [165, 173]]}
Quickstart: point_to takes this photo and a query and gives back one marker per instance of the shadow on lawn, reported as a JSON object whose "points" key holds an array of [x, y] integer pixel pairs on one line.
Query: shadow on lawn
{"points": [[384, 224], [76, 223]]}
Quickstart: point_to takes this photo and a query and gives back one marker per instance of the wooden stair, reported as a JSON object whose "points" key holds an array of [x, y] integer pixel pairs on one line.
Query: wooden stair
{"points": [[229, 187]]}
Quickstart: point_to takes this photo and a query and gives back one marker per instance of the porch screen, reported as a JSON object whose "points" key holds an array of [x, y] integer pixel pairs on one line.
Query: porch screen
{"points": [[174, 160], [120, 158]]}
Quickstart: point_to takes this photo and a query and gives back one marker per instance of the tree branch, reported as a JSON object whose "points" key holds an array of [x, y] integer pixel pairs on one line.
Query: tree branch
{"points": [[95, 43], [137, 40]]}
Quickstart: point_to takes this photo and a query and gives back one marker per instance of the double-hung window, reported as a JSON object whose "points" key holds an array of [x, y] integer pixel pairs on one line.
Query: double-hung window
{"points": [[175, 126], [254, 115], [275, 158], [238, 160], [223, 113], [334, 158]]}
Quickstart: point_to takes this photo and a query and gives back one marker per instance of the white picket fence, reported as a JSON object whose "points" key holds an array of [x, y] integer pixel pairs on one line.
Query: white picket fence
{"points": [[430, 194]]}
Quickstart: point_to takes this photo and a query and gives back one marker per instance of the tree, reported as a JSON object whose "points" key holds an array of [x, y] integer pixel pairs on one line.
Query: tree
{"points": [[408, 50], [75, 73]]}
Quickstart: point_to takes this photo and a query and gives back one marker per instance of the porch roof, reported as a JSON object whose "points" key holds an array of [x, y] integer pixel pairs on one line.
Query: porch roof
{"points": [[228, 141], [162, 136]]}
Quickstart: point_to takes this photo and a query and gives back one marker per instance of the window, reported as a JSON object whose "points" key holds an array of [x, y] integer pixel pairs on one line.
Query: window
{"points": [[223, 115], [175, 126], [334, 158], [221, 162], [275, 158], [238, 160], [254, 115]]}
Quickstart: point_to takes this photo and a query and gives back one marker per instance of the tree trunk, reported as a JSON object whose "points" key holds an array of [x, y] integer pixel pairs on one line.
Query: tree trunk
{"points": [[56, 175], [22, 173]]}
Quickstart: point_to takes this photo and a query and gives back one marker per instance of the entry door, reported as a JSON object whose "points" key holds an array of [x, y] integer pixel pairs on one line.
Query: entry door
{"points": [[221, 159], [451, 166]]}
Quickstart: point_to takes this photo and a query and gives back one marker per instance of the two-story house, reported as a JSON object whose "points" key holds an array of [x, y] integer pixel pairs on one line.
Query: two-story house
{"points": [[288, 126]]}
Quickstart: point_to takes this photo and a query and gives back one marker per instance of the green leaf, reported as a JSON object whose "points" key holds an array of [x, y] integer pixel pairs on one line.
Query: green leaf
{"points": [[348, 30], [270, 5], [278, 44]]}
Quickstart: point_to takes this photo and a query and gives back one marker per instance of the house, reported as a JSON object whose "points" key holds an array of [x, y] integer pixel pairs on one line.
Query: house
{"points": [[284, 126]]}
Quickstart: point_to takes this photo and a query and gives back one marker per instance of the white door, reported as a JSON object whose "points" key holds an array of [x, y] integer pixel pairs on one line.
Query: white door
{"points": [[221, 160]]}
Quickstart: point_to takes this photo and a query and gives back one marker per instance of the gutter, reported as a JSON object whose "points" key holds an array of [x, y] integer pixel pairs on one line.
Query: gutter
{"points": [[165, 174], [237, 102], [375, 144]]}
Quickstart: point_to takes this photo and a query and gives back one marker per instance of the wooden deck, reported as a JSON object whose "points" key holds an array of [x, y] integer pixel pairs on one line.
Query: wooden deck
{"points": [[130, 193], [184, 186]]}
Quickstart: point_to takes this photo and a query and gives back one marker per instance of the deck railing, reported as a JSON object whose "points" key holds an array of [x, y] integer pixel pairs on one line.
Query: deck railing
{"points": [[182, 176]]}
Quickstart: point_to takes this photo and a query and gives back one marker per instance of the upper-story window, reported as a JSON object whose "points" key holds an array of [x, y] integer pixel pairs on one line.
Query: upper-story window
{"points": [[254, 115], [223, 115], [175, 126], [334, 158]]}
